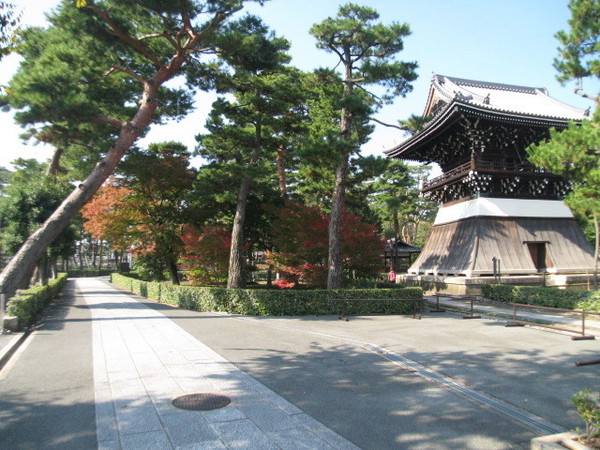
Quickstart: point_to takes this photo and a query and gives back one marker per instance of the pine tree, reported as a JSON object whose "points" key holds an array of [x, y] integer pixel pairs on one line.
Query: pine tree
{"points": [[365, 50], [246, 132], [102, 67], [574, 153]]}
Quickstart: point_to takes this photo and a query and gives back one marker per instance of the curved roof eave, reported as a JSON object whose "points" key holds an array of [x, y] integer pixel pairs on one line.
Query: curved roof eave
{"points": [[457, 106], [428, 132]]}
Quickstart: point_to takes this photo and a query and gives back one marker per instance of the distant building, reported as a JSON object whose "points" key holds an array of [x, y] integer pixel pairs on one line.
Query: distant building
{"points": [[500, 215], [398, 253]]}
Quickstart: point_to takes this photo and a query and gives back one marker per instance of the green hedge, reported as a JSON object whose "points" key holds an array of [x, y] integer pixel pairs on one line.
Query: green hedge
{"points": [[372, 284], [543, 296], [272, 302], [29, 303]]}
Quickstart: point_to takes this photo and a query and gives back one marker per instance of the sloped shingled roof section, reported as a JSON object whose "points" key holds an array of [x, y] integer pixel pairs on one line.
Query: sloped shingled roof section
{"points": [[503, 97], [451, 97]]}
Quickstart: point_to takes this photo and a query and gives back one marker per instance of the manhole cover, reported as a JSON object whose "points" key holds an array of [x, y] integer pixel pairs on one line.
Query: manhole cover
{"points": [[201, 402]]}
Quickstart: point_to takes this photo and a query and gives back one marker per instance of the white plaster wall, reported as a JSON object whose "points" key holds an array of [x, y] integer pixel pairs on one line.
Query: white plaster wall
{"points": [[503, 207]]}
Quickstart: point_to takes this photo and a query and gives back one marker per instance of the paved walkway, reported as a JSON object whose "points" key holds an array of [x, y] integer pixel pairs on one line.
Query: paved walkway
{"points": [[142, 360], [103, 367]]}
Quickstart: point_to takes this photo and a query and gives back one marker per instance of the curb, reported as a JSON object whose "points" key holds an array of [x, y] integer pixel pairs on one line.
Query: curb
{"points": [[9, 349]]}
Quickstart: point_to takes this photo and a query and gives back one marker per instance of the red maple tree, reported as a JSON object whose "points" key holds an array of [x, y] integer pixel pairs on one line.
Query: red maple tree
{"points": [[300, 239], [205, 256]]}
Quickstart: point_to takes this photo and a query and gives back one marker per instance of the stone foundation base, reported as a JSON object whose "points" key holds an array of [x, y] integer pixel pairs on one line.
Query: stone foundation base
{"points": [[10, 323], [472, 285]]}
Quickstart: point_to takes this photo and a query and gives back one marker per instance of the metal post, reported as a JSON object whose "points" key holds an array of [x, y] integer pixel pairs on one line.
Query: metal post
{"points": [[583, 336], [416, 314], [514, 323], [587, 363], [437, 304], [471, 315]]}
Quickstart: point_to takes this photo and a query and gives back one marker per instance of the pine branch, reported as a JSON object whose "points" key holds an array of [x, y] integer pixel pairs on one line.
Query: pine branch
{"points": [[387, 124], [109, 121], [129, 72], [159, 35], [579, 91], [116, 31]]}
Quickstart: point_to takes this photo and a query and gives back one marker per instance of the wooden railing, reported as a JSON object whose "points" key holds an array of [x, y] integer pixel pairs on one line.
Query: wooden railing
{"points": [[481, 165], [457, 172]]}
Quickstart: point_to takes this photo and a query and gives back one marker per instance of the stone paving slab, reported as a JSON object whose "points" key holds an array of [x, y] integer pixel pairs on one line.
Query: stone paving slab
{"points": [[142, 360]]}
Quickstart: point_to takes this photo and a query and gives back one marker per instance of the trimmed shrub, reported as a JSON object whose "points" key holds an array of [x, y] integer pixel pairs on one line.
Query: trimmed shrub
{"points": [[274, 302], [592, 303], [543, 296], [498, 292], [372, 284], [29, 303]]}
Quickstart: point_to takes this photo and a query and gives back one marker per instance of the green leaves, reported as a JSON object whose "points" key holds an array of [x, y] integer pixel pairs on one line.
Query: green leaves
{"points": [[587, 404], [29, 199], [84, 76], [578, 54], [248, 44], [571, 153], [271, 302], [367, 49], [9, 28]]}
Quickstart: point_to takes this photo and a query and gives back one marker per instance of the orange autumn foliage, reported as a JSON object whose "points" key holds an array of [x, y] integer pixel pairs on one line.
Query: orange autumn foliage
{"points": [[108, 216]]}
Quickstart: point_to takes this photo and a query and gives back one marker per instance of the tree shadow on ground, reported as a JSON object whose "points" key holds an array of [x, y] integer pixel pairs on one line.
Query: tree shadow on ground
{"points": [[377, 404], [26, 424]]}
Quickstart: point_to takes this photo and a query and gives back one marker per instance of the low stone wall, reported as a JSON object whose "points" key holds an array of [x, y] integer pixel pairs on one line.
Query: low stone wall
{"points": [[472, 285]]}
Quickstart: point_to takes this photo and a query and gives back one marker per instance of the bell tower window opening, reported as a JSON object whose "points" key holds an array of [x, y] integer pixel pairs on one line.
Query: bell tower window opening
{"points": [[539, 255]]}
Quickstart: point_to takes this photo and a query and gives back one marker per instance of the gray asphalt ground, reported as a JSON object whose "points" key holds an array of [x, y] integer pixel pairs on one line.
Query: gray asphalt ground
{"points": [[46, 388], [377, 381], [326, 368]]}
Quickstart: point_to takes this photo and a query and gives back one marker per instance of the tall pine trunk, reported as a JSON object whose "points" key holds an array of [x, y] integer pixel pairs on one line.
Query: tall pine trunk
{"points": [[94, 252], [336, 270], [22, 264], [80, 254], [101, 255], [280, 162], [118, 259], [235, 277], [335, 273]]}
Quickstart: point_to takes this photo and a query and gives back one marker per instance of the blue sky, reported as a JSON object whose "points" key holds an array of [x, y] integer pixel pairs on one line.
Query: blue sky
{"points": [[508, 41]]}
